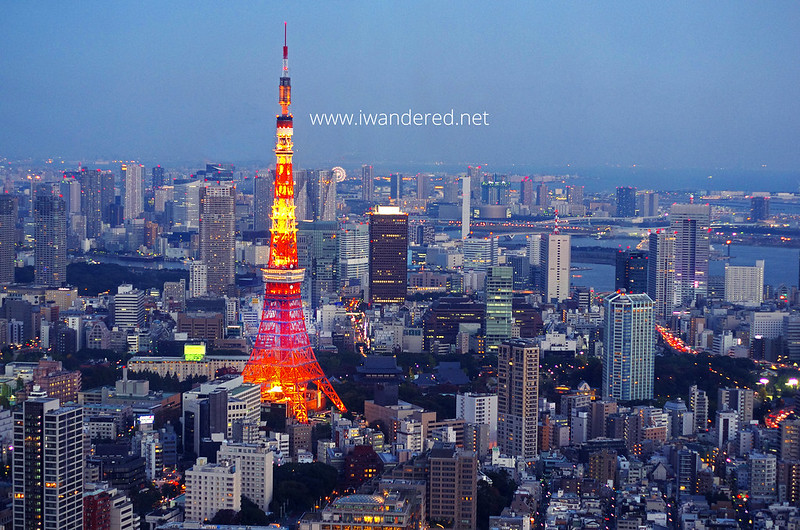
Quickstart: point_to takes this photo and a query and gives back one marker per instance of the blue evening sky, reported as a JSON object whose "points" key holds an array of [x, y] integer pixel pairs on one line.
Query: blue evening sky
{"points": [[655, 83]]}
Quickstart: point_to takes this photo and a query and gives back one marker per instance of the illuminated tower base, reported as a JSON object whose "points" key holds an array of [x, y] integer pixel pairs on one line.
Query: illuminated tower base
{"points": [[282, 361]]}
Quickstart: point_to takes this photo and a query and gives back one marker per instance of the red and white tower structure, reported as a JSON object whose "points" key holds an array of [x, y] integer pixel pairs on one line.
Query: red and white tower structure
{"points": [[282, 360]]}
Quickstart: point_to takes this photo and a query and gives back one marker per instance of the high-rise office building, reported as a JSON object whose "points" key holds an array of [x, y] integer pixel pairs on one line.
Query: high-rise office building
{"points": [[790, 440], [556, 263], [647, 204], [129, 307], [50, 247], [739, 399], [691, 224], [542, 196], [466, 214], [745, 285], [158, 176], [70, 191], [262, 201], [134, 190], [186, 195], [661, 273], [480, 254], [518, 398], [759, 208], [534, 252], [527, 193], [388, 251], [217, 235], [211, 488], [478, 409], [495, 189], [48, 465], [628, 347], [763, 477], [318, 254], [499, 316], [452, 484], [626, 201], [726, 426], [323, 194], [423, 185], [698, 404], [198, 279], [304, 207], [255, 461], [354, 253], [8, 225], [632, 271], [396, 187], [474, 184], [367, 183], [575, 200]]}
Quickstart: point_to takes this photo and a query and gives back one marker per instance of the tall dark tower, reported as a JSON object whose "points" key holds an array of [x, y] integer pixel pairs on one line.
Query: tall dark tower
{"points": [[632, 270], [50, 248], [367, 183], [48, 465], [626, 201], [8, 225], [388, 249], [282, 360]]}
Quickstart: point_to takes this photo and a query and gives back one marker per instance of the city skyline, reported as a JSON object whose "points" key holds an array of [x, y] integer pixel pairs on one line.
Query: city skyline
{"points": [[581, 86]]}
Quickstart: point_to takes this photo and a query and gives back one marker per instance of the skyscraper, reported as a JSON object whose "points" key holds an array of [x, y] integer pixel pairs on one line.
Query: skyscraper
{"points": [[396, 186], [129, 307], [452, 485], [8, 225], [323, 194], [318, 254], [527, 193], [647, 204], [158, 176], [518, 398], [388, 249], [661, 273], [466, 214], [759, 208], [367, 183], [556, 267], [745, 285], [48, 465], [691, 224], [50, 248], [134, 190], [217, 235], [354, 253], [698, 403], [480, 254], [628, 347], [632, 270], [262, 201], [626, 201], [423, 185], [499, 294]]}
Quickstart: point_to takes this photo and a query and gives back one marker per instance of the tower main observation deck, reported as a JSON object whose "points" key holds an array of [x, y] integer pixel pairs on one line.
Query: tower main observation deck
{"points": [[282, 360]]}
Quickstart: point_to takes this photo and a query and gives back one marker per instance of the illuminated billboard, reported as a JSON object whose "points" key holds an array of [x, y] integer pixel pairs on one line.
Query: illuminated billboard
{"points": [[194, 352]]}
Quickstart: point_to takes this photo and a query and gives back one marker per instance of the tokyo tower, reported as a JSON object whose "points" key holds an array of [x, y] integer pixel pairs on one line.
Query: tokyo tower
{"points": [[282, 360]]}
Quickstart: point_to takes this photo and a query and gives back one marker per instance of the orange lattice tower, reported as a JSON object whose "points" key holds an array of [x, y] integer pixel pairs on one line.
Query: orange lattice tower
{"points": [[282, 360]]}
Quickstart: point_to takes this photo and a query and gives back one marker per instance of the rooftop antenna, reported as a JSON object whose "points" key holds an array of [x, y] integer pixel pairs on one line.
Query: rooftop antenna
{"points": [[555, 227], [285, 53]]}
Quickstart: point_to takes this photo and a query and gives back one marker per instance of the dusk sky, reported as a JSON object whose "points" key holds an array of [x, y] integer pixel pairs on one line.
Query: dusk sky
{"points": [[658, 84]]}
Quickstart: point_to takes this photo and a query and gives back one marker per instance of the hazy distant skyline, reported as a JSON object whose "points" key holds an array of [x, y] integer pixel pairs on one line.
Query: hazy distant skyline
{"points": [[657, 84]]}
